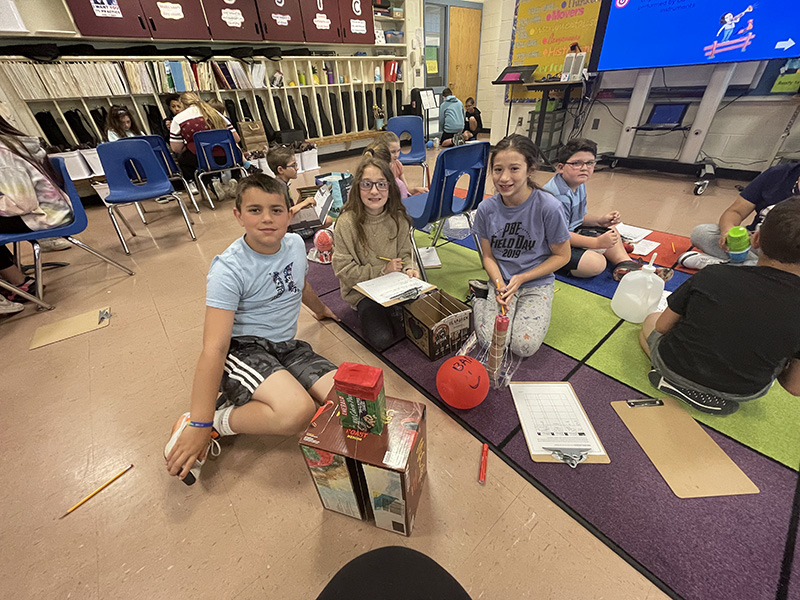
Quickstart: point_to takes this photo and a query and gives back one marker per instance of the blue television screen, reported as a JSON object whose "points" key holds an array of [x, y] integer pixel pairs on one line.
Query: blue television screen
{"points": [[637, 34]]}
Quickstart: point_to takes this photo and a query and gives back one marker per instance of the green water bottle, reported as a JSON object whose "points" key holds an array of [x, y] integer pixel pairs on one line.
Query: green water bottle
{"points": [[738, 243]]}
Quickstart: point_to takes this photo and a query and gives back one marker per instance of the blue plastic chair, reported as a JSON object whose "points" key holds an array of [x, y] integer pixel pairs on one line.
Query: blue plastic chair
{"points": [[205, 142], [123, 190], [78, 224], [412, 125], [168, 163], [440, 202]]}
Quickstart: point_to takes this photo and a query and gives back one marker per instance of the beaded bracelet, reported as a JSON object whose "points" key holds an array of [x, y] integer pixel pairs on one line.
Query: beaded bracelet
{"points": [[201, 423]]}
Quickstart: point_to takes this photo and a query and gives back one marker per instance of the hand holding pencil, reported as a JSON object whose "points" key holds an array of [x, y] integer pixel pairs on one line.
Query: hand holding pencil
{"points": [[392, 265]]}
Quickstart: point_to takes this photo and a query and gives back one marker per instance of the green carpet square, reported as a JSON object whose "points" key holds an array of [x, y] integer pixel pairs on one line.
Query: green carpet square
{"points": [[768, 425]]}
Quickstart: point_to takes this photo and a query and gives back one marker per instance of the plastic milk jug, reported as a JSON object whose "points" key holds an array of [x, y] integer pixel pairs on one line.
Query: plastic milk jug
{"points": [[738, 244], [638, 294]]}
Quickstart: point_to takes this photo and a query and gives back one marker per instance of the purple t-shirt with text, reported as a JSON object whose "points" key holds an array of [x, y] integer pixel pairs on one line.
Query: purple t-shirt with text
{"points": [[521, 236]]}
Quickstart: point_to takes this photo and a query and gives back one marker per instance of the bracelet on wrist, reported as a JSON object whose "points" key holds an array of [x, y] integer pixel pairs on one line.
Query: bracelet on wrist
{"points": [[201, 424]]}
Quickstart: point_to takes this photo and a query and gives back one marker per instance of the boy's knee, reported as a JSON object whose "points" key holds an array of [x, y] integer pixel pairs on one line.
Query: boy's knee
{"points": [[701, 234], [293, 422], [590, 265], [525, 348]]}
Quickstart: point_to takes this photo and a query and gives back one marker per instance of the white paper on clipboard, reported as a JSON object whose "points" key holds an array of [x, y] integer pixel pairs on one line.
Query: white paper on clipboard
{"points": [[552, 418]]}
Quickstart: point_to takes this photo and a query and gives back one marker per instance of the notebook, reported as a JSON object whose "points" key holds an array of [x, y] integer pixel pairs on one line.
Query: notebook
{"points": [[393, 288], [313, 217]]}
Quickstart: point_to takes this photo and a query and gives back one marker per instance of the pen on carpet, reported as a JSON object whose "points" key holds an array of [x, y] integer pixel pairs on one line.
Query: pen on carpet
{"points": [[484, 457], [98, 490]]}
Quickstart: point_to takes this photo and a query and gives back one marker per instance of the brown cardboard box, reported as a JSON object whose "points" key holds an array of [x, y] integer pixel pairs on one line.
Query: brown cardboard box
{"points": [[369, 476], [437, 323]]}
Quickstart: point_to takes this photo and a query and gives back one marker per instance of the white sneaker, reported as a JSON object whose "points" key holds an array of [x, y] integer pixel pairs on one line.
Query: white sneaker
{"points": [[7, 307], [213, 446], [193, 188], [698, 260], [164, 200], [54, 244]]}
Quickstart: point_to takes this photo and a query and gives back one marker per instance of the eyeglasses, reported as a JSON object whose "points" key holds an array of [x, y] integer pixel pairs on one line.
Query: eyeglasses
{"points": [[579, 164], [292, 166], [366, 185]]}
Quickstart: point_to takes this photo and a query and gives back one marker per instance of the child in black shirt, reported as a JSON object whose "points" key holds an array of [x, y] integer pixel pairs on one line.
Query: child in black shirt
{"points": [[730, 332]]}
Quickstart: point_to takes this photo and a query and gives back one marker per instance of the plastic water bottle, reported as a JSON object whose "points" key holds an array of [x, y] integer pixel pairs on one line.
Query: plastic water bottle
{"points": [[638, 294], [738, 244]]}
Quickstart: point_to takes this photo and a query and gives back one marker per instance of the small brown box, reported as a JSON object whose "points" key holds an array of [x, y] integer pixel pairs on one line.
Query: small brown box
{"points": [[437, 323], [369, 476]]}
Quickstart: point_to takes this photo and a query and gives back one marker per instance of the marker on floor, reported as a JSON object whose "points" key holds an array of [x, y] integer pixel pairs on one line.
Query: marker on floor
{"points": [[482, 470]]}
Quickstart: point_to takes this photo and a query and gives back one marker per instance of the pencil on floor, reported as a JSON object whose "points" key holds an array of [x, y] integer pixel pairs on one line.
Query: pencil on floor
{"points": [[673, 247]]}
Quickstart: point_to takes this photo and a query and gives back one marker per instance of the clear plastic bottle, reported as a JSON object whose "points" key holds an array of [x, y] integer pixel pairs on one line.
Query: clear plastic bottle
{"points": [[638, 294]]}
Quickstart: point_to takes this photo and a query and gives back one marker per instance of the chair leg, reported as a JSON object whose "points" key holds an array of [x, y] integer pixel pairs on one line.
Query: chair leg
{"points": [[185, 215], [29, 297], [474, 235], [426, 174], [116, 228], [438, 226], [417, 256], [37, 266], [202, 186], [191, 195], [99, 255], [140, 210]]}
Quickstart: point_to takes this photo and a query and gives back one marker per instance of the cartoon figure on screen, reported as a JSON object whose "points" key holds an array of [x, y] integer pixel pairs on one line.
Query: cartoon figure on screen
{"points": [[729, 21]]}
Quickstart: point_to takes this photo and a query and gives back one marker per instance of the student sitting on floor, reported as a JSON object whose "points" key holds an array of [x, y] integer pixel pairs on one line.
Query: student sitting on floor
{"points": [[392, 142], [451, 119], [729, 332], [121, 124], [576, 161], [282, 162], [524, 239], [473, 123], [765, 191], [174, 106], [270, 381], [373, 226]]}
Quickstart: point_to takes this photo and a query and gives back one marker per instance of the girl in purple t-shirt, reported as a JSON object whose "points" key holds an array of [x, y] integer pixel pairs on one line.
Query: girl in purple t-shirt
{"points": [[524, 239]]}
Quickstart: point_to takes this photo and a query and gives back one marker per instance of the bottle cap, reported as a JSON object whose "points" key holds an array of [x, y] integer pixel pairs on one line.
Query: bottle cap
{"points": [[649, 266]]}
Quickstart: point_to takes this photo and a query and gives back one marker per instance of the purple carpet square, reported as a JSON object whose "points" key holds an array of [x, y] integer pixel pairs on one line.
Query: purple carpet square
{"points": [[703, 548], [496, 416]]}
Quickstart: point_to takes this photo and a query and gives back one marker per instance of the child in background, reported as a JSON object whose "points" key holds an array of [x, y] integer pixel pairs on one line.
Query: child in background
{"points": [[473, 123], [729, 332], [174, 106], [282, 162], [219, 106], [373, 224], [576, 161], [451, 119], [121, 124], [270, 382], [392, 142], [524, 239]]}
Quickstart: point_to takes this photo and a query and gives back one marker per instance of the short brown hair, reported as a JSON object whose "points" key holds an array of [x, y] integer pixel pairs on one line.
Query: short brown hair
{"points": [[279, 156], [780, 232], [265, 183], [573, 147]]}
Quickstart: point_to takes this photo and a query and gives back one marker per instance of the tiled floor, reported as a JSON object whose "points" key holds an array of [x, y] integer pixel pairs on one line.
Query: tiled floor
{"points": [[76, 412]]}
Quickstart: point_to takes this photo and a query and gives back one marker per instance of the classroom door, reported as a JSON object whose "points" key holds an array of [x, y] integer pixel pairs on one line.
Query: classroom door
{"points": [[463, 52]]}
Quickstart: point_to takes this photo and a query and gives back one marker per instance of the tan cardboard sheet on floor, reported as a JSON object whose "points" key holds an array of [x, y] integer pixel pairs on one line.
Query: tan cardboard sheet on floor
{"points": [[62, 330], [691, 463]]}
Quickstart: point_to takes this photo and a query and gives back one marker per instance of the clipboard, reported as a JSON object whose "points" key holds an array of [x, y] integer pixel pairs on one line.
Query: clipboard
{"points": [[67, 328], [543, 405], [394, 288], [691, 463]]}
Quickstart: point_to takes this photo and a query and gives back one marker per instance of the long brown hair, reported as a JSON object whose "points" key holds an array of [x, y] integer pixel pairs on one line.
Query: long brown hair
{"points": [[380, 150], [523, 145], [213, 119], [114, 121], [10, 137], [394, 204]]}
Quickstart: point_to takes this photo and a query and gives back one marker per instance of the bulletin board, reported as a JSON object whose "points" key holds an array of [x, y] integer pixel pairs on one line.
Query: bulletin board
{"points": [[542, 34]]}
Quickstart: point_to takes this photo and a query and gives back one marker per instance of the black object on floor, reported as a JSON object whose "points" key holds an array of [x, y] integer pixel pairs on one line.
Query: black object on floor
{"points": [[347, 112], [312, 124], [393, 573], [335, 114], [323, 118]]}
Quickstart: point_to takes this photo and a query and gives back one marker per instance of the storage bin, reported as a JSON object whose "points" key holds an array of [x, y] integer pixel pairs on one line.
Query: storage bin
{"points": [[394, 37]]}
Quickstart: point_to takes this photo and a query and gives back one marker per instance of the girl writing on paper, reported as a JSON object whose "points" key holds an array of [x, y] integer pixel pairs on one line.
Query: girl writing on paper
{"points": [[30, 200], [372, 228], [524, 238]]}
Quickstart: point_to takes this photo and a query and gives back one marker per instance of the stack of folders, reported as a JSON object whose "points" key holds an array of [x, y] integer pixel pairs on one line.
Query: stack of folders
{"points": [[67, 79], [258, 73], [138, 76], [25, 79], [239, 74]]}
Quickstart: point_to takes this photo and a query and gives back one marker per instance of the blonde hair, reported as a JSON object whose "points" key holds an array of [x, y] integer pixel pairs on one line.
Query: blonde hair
{"points": [[380, 150], [213, 119], [387, 137]]}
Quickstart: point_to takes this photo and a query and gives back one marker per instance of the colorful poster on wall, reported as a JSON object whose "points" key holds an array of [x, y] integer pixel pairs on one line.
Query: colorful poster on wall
{"points": [[543, 32]]}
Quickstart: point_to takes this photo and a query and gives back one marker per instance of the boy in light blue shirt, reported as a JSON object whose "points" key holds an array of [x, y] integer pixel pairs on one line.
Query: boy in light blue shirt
{"points": [[271, 383], [576, 161], [451, 119]]}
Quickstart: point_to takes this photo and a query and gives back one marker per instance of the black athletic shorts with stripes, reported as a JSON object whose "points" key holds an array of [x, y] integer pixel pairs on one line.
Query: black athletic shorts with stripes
{"points": [[251, 359]]}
